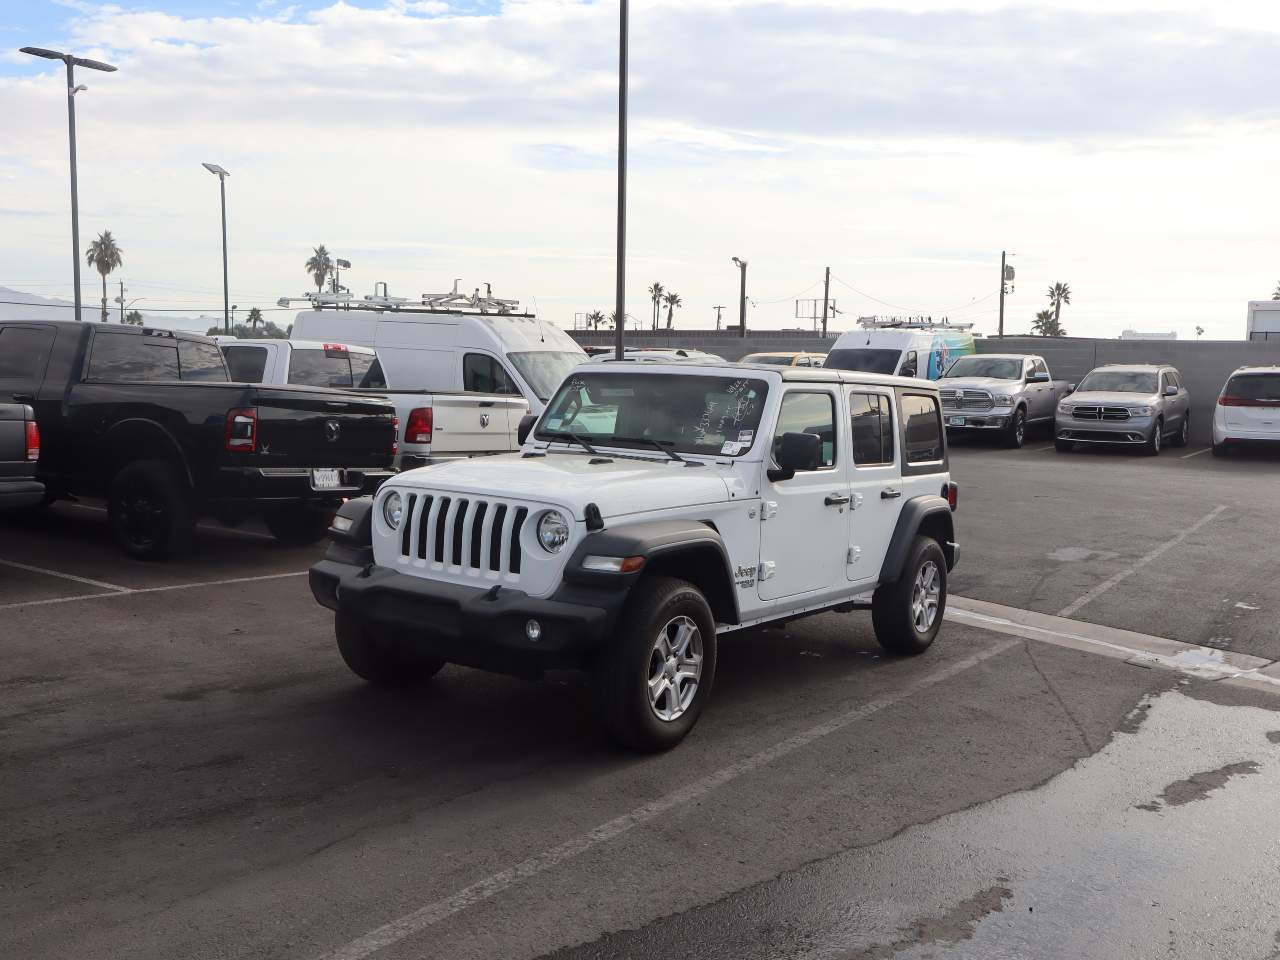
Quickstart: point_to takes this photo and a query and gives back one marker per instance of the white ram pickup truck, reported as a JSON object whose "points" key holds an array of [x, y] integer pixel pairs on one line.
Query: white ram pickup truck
{"points": [[654, 508], [1000, 394], [434, 425]]}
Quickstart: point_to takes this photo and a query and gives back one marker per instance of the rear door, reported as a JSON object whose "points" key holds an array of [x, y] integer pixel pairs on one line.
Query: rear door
{"points": [[874, 490], [1041, 398]]}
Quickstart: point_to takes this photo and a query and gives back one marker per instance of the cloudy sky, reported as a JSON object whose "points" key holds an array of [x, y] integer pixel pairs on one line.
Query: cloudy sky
{"points": [[1129, 148]]}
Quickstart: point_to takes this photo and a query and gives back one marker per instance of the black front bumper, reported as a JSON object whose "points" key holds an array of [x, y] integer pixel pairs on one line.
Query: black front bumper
{"points": [[470, 625]]}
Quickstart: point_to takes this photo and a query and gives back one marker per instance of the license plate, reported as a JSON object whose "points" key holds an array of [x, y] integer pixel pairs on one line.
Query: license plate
{"points": [[329, 479], [955, 421]]}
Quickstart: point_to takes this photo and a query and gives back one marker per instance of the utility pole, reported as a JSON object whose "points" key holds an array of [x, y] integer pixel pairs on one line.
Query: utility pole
{"points": [[620, 291], [826, 292], [1000, 329], [717, 309], [121, 301], [742, 299]]}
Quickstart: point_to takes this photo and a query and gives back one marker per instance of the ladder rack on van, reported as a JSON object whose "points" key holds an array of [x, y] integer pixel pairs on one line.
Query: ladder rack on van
{"points": [[910, 323], [452, 302]]}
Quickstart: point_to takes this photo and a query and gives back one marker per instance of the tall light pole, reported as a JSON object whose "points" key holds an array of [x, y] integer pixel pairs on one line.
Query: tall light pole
{"points": [[620, 290], [222, 175], [742, 298], [72, 62]]}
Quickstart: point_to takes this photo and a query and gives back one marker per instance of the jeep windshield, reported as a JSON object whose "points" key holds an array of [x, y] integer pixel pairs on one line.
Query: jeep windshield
{"points": [[986, 367], [709, 415], [1118, 381]]}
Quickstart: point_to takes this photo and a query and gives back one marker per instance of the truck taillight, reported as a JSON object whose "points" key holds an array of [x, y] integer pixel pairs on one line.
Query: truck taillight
{"points": [[395, 435], [418, 430], [336, 350], [241, 434], [951, 493], [33, 440]]}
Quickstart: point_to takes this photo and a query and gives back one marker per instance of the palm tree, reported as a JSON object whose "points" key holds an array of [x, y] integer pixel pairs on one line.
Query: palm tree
{"points": [[594, 319], [319, 266], [254, 318], [1047, 325], [133, 317], [1276, 295], [655, 294], [105, 255], [672, 300], [1059, 294]]}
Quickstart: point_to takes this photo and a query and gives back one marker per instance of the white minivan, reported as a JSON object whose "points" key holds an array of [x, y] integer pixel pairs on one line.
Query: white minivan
{"points": [[1248, 410], [452, 351]]}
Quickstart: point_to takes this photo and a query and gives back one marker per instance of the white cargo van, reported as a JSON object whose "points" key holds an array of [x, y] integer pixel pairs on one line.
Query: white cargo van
{"points": [[908, 348], [451, 350]]}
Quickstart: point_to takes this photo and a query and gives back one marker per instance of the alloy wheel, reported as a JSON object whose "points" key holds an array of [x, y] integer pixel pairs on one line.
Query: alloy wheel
{"points": [[675, 668], [926, 595]]}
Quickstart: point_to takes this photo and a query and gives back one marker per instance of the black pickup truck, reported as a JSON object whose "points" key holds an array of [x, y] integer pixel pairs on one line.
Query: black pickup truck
{"points": [[150, 420], [19, 450]]}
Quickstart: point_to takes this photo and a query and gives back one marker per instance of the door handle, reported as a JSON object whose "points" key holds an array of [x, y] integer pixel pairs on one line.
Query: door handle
{"points": [[889, 493], [24, 398], [836, 500]]}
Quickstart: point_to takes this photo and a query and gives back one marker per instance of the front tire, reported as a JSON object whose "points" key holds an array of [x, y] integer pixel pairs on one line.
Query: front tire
{"points": [[1156, 440], [907, 613], [652, 683], [1016, 432], [149, 511], [378, 658], [297, 524]]}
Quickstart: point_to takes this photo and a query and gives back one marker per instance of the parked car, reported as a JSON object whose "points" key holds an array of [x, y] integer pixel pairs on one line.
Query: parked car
{"points": [[786, 358], [1000, 393], [907, 348], [151, 420], [434, 425], [1141, 405], [1248, 410], [694, 501], [19, 451]]}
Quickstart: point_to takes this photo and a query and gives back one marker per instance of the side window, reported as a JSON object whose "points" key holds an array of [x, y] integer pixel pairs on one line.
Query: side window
{"points": [[1175, 379], [198, 360], [128, 356], [909, 367], [1164, 380], [1039, 366], [922, 429], [247, 364], [24, 353], [366, 371], [809, 413], [483, 374], [872, 421]]}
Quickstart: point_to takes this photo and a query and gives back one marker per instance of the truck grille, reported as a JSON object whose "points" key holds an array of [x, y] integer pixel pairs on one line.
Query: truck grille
{"points": [[1101, 413], [966, 399], [464, 532]]}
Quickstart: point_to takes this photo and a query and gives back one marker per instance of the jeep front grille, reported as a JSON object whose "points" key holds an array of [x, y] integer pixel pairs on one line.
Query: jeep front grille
{"points": [[463, 532], [966, 399], [1100, 413]]}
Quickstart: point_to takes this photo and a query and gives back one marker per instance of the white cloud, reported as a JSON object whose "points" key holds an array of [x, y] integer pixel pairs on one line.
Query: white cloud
{"points": [[1123, 149]]}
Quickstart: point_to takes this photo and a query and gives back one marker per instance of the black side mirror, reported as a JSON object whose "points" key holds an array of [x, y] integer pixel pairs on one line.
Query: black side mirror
{"points": [[796, 451], [526, 427]]}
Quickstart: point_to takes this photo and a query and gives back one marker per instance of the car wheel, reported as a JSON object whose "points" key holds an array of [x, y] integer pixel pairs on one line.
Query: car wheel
{"points": [[908, 612], [149, 511], [297, 524], [1184, 432], [382, 660], [1064, 446], [654, 679], [1156, 440], [1016, 432]]}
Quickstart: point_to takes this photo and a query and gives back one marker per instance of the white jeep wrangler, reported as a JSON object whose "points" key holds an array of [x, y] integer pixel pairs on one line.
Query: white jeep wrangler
{"points": [[652, 510]]}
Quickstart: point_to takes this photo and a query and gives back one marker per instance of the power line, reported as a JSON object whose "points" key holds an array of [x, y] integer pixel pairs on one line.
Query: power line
{"points": [[886, 303], [72, 306], [794, 296]]}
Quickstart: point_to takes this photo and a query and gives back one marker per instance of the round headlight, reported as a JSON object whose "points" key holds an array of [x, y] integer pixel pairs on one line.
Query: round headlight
{"points": [[553, 531], [393, 509]]}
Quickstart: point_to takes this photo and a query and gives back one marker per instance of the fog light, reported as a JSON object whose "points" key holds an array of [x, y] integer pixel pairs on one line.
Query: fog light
{"points": [[342, 524], [533, 630]]}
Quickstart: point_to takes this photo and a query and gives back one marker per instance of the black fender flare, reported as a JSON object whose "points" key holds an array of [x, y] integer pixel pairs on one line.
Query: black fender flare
{"points": [[915, 513], [125, 430]]}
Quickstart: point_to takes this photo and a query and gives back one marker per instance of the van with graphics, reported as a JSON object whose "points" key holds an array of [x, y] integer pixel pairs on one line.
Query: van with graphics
{"points": [[909, 348]]}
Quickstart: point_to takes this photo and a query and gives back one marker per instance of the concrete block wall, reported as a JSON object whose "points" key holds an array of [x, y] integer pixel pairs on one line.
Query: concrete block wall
{"points": [[723, 343]]}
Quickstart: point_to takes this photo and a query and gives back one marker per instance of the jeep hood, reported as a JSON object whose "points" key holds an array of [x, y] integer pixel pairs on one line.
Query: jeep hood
{"points": [[622, 486]]}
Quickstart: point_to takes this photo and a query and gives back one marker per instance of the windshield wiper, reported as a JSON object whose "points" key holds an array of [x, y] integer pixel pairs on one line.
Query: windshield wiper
{"points": [[656, 444], [572, 437]]}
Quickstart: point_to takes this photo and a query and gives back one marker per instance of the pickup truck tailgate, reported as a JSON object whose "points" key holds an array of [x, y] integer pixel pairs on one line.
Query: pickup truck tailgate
{"points": [[469, 424], [300, 427]]}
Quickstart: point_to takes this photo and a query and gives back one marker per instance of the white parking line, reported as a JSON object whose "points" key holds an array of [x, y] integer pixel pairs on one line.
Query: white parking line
{"points": [[1043, 449], [64, 576], [129, 591], [432, 913], [1133, 568], [1195, 453]]}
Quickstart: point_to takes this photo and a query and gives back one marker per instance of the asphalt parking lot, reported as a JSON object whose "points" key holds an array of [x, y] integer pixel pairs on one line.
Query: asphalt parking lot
{"points": [[190, 771]]}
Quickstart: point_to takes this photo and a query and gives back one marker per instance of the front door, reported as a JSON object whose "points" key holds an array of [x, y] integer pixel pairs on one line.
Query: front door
{"points": [[875, 489], [804, 527]]}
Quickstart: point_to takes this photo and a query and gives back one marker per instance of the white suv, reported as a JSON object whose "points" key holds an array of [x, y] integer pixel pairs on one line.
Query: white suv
{"points": [[1248, 409], [653, 509]]}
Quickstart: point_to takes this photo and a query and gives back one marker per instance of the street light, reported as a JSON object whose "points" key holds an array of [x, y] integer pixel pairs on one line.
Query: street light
{"points": [[620, 289], [72, 89], [222, 175], [742, 298]]}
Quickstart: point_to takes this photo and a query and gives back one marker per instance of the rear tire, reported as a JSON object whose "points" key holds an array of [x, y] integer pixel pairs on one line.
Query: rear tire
{"points": [[382, 660], [908, 612], [1184, 432], [654, 679], [1156, 440], [1016, 432], [149, 510], [296, 524], [1064, 446]]}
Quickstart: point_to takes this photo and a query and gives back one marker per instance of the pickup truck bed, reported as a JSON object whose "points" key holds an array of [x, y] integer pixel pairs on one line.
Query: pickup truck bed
{"points": [[148, 419]]}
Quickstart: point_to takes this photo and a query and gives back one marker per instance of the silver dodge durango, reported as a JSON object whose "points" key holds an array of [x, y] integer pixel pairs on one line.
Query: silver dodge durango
{"points": [[1141, 405]]}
